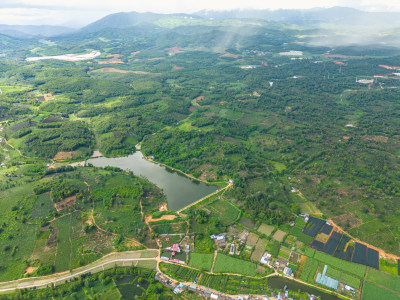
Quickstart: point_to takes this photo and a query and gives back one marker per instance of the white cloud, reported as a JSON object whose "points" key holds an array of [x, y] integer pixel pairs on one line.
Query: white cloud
{"points": [[81, 12]]}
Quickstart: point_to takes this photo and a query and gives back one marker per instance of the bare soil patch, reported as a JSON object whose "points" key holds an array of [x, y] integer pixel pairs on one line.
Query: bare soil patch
{"points": [[96, 153], [48, 96], [347, 219], [67, 202], [52, 240], [377, 138], [196, 100], [279, 235], [256, 94], [111, 70], [114, 59], [227, 54], [136, 52], [65, 155], [30, 270], [164, 217], [178, 68], [174, 50]]}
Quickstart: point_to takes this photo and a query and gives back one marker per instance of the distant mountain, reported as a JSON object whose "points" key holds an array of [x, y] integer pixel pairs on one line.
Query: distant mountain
{"points": [[33, 31], [344, 16], [128, 19]]}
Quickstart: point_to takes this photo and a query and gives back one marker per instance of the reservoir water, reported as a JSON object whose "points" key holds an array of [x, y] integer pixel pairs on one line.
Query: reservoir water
{"points": [[178, 188]]}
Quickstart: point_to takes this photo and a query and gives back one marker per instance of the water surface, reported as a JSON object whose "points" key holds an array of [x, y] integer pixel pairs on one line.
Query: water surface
{"points": [[179, 189]]}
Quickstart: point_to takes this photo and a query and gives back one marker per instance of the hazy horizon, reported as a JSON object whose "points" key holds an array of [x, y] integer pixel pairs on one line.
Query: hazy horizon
{"points": [[76, 13]]}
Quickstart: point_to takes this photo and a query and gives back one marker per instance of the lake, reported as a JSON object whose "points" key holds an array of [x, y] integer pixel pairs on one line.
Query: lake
{"points": [[179, 189]]}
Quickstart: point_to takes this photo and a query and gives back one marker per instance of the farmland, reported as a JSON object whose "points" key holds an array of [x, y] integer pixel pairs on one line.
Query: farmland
{"points": [[295, 137], [226, 264], [355, 269], [309, 270], [180, 273], [201, 261]]}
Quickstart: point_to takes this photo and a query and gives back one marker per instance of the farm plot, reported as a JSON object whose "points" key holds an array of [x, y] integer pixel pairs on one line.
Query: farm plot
{"points": [[389, 281], [300, 236], [247, 222], [284, 253], [332, 243], [309, 270], [326, 229], [180, 273], [224, 211], [341, 251], [372, 291], [252, 239], [259, 250], [317, 245], [227, 264], [232, 284], [279, 235], [201, 261], [360, 254], [266, 229], [355, 269], [313, 226]]}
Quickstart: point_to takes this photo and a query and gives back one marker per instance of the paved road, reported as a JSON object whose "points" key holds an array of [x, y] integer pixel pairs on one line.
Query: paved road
{"points": [[97, 266]]}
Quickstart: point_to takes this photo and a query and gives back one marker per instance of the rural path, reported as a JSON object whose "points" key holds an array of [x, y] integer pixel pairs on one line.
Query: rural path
{"points": [[100, 265], [202, 199], [134, 241], [215, 258]]}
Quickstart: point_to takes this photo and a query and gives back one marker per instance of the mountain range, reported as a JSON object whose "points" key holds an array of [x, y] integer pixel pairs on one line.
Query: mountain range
{"points": [[321, 17]]}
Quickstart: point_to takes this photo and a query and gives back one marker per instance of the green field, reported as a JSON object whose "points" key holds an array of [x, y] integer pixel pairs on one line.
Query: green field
{"points": [[389, 281], [201, 261], [355, 269], [224, 211], [372, 291], [227, 264], [180, 273], [309, 270]]}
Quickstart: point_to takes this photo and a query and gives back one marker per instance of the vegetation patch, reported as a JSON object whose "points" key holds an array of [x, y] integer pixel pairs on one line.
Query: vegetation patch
{"points": [[227, 264]]}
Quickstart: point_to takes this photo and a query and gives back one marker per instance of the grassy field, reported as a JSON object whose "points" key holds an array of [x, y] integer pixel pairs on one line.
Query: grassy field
{"points": [[227, 264], [266, 229], [372, 291], [201, 261], [389, 281], [309, 270], [224, 211], [355, 269]]}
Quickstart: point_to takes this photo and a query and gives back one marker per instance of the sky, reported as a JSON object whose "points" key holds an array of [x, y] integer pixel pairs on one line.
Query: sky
{"points": [[77, 13]]}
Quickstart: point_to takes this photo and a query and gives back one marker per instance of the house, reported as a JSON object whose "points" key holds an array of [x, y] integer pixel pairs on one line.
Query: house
{"points": [[175, 247], [164, 258], [287, 271], [214, 296], [265, 258], [232, 249], [179, 288], [221, 242]]}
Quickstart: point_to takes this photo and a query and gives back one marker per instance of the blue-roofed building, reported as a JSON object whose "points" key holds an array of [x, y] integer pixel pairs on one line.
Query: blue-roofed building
{"points": [[326, 280]]}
